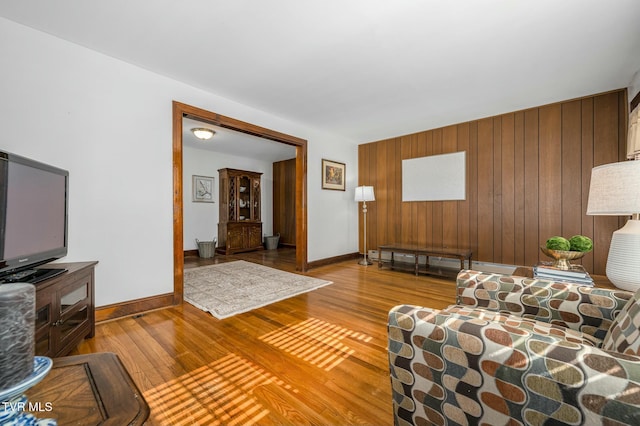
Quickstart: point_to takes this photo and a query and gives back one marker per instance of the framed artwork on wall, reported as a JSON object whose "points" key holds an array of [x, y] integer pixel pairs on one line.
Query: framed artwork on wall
{"points": [[203, 189], [333, 175]]}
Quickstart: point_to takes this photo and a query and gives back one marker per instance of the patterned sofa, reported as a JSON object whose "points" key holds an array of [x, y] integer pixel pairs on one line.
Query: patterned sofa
{"points": [[517, 351]]}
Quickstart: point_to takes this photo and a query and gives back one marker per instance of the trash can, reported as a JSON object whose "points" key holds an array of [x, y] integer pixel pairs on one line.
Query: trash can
{"points": [[206, 249], [271, 242]]}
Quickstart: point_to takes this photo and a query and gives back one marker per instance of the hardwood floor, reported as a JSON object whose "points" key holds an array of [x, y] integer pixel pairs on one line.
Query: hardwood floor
{"points": [[319, 358]]}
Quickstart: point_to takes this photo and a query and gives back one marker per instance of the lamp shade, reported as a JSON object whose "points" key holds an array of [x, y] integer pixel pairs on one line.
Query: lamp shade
{"points": [[364, 193], [615, 189]]}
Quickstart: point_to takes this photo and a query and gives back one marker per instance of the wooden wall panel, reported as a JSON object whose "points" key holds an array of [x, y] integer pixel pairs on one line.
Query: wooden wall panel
{"points": [[394, 208], [518, 188], [571, 185], [284, 201], [527, 175], [485, 204], [464, 234], [605, 150], [424, 207], [436, 228], [449, 208], [549, 166], [531, 191], [472, 187], [406, 209], [587, 163], [506, 175]]}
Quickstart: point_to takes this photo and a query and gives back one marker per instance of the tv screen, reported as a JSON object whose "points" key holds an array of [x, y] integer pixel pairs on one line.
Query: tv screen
{"points": [[33, 214]]}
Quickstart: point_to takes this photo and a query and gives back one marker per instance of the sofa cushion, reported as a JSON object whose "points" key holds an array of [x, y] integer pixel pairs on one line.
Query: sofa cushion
{"points": [[533, 326], [624, 334], [586, 309]]}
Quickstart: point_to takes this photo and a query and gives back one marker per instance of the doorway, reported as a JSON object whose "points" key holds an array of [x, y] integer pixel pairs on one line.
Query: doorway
{"points": [[180, 111]]}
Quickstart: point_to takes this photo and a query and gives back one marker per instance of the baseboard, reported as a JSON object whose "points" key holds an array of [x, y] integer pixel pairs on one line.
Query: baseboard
{"points": [[133, 307], [335, 259], [192, 253]]}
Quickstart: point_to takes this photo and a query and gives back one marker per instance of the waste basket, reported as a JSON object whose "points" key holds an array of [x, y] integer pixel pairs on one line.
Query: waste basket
{"points": [[206, 249], [271, 242]]}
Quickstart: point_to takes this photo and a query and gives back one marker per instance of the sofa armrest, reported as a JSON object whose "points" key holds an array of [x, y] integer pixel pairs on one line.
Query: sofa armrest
{"points": [[583, 308], [465, 370]]}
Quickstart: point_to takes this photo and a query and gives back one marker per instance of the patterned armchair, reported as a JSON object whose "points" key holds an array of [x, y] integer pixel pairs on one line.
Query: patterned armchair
{"points": [[517, 351]]}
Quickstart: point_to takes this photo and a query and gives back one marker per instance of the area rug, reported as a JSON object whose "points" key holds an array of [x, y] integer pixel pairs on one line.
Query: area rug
{"points": [[227, 289]]}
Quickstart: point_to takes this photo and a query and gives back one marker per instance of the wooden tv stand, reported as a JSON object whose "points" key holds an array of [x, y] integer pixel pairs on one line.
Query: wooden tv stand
{"points": [[65, 309]]}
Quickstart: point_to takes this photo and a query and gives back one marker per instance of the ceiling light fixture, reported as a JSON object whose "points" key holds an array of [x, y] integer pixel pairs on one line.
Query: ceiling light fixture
{"points": [[203, 133]]}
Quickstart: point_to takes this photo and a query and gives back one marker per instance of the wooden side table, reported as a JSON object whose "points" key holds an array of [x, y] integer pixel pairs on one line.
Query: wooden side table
{"points": [[89, 390], [599, 281]]}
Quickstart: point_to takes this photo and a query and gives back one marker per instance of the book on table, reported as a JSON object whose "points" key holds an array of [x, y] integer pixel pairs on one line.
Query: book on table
{"points": [[577, 274]]}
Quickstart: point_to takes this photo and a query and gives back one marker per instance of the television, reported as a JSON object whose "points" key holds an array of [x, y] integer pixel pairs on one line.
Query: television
{"points": [[33, 218]]}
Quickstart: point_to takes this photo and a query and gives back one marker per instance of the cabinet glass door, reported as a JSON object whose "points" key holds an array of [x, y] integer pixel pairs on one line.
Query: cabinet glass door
{"points": [[73, 309], [255, 199], [244, 198], [43, 334]]}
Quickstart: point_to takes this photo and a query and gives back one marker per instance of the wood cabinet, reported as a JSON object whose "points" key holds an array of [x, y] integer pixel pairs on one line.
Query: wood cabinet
{"points": [[65, 309], [240, 226]]}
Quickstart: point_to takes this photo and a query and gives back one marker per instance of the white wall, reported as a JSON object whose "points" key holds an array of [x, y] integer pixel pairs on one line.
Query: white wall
{"points": [[109, 124], [201, 219]]}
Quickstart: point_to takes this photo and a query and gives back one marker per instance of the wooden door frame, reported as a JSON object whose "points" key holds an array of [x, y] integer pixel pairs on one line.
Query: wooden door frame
{"points": [[181, 111]]}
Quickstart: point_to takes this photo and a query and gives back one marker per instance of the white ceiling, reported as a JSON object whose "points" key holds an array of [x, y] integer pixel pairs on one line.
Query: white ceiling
{"points": [[236, 143], [364, 69]]}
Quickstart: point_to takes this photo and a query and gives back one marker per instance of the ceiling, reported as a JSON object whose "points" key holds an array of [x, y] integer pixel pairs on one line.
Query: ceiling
{"points": [[236, 143], [363, 69]]}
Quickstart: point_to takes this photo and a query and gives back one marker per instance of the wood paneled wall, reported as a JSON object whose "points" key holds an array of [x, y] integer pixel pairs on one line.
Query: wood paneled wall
{"points": [[284, 201], [528, 176]]}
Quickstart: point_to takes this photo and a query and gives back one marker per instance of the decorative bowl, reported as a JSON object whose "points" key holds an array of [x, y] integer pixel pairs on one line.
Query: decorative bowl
{"points": [[41, 367], [562, 257]]}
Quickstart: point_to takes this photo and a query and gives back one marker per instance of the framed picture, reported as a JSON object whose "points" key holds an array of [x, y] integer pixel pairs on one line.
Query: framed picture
{"points": [[333, 175], [203, 189]]}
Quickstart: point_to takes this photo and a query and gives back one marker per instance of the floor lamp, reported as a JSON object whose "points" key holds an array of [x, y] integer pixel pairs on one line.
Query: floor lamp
{"points": [[615, 191], [364, 194]]}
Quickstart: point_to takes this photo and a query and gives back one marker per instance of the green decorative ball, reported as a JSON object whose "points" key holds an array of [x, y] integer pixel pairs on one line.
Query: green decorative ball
{"points": [[558, 243], [580, 243]]}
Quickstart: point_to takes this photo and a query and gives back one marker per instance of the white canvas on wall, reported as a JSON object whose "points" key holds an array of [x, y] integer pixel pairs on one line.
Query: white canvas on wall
{"points": [[435, 177]]}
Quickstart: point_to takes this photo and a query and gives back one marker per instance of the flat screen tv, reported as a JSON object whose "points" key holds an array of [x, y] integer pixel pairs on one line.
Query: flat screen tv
{"points": [[33, 218]]}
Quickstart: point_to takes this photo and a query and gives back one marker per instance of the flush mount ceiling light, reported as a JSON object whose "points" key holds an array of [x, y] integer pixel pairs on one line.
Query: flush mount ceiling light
{"points": [[203, 133]]}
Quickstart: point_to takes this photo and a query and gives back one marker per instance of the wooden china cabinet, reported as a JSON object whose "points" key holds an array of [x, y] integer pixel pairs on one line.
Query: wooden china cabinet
{"points": [[240, 226]]}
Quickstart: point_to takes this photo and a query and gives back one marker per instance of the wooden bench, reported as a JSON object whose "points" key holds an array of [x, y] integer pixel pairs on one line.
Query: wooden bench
{"points": [[417, 251]]}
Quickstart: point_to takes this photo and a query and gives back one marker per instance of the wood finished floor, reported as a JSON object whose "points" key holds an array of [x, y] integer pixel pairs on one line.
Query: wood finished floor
{"points": [[319, 358]]}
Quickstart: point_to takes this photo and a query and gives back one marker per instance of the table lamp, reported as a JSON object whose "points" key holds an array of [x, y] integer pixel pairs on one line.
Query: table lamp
{"points": [[615, 191], [364, 194]]}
